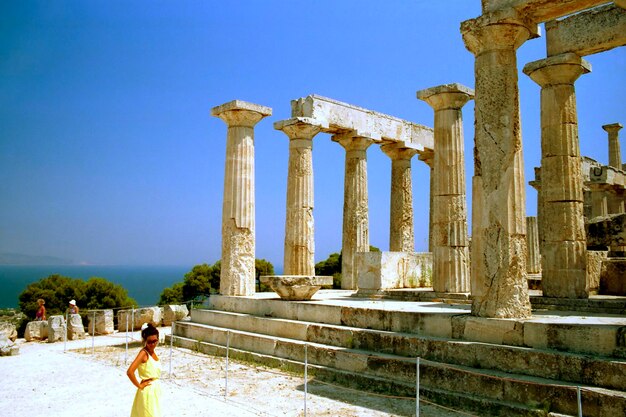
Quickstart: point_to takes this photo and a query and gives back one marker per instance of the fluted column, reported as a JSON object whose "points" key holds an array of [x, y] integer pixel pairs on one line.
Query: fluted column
{"points": [[564, 260], [533, 263], [615, 154], [450, 250], [355, 206], [401, 230], [499, 285], [299, 225], [238, 239], [428, 156]]}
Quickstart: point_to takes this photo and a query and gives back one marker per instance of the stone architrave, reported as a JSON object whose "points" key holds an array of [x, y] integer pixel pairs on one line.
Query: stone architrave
{"points": [[533, 263], [355, 236], [564, 257], [401, 230], [450, 250], [615, 154], [428, 156], [103, 322], [299, 223], [238, 237], [498, 279]]}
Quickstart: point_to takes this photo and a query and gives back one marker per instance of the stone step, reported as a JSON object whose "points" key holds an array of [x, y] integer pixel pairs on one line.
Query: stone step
{"points": [[538, 393], [598, 336], [594, 371], [369, 383]]}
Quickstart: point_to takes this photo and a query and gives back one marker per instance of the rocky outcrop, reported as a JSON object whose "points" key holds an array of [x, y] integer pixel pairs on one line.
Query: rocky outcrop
{"points": [[173, 313]]}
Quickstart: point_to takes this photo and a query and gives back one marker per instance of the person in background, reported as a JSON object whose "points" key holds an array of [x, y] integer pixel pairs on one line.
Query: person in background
{"points": [[146, 403], [41, 311], [73, 307]]}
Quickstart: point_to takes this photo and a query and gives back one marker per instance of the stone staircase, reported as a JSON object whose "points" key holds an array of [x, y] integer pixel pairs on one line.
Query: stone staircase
{"points": [[477, 365]]}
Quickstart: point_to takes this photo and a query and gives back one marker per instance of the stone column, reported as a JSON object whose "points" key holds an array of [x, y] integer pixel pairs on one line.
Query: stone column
{"points": [[401, 231], [299, 225], [428, 156], [499, 283], [599, 206], [355, 206], [564, 260], [238, 239], [450, 243], [533, 263], [615, 155]]}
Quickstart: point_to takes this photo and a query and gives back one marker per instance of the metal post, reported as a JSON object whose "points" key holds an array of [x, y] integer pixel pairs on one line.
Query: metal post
{"points": [[171, 346], [227, 349], [65, 337], [417, 388], [132, 321], [126, 357], [93, 334], [580, 402], [306, 376]]}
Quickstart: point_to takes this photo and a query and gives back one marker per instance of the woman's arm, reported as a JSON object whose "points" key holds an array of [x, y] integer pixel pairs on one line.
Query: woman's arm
{"points": [[142, 356]]}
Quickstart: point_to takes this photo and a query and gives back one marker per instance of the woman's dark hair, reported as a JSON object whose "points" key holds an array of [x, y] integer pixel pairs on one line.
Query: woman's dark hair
{"points": [[150, 330]]}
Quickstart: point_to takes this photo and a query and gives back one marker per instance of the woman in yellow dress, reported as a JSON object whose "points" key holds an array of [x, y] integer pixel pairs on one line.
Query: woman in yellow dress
{"points": [[147, 362]]}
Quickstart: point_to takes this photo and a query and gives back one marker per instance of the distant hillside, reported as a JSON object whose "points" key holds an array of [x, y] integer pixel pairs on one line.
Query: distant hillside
{"points": [[22, 259]]}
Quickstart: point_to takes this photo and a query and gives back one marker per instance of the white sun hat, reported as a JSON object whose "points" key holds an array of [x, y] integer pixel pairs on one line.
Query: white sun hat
{"points": [[73, 302]]}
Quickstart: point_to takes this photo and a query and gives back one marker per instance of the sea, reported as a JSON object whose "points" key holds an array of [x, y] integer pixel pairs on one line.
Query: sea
{"points": [[143, 283]]}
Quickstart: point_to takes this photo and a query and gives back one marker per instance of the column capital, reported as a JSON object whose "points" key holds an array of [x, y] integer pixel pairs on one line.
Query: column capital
{"points": [[399, 150], [501, 29], [447, 96], [558, 69], [427, 156], [352, 141], [613, 127], [300, 127], [241, 113]]}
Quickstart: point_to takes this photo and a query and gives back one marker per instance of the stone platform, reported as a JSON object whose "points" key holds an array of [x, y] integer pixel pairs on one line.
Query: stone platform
{"points": [[507, 367]]}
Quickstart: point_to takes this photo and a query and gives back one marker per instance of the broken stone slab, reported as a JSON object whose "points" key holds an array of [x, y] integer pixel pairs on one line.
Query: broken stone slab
{"points": [[296, 287], [56, 328], [103, 322], [75, 328], [7, 346], [607, 231], [172, 313], [137, 317], [9, 330], [388, 270], [36, 330], [613, 276]]}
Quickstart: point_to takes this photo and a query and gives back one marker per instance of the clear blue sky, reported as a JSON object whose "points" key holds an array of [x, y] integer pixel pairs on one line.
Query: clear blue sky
{"points": [[108, 154]]}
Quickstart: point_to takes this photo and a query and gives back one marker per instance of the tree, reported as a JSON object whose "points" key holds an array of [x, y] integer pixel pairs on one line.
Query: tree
{"points": [[172, 295], [263, 267], [197, 282], [58, 290]]}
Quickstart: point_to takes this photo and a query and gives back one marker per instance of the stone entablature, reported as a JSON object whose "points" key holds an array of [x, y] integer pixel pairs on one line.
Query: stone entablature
{"points": [[342, 117]]}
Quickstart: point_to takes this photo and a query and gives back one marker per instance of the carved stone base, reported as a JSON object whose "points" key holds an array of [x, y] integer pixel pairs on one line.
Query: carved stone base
{"points": [[296, 287]]}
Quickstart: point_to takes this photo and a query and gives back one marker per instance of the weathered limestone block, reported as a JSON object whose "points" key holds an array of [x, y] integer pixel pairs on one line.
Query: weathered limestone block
{"points": [[75, 328], [7, 346], [563, 221], [613, 276], [594, 268], [563, 180], [140, 316], [565, 262], [36, 330], [172, 313], [56, 328], [386, 270], [296, 287], [103, 322], [9, 330]]}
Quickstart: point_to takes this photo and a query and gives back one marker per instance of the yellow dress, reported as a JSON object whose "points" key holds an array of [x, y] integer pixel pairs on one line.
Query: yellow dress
{"points": [[146, 402]]}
